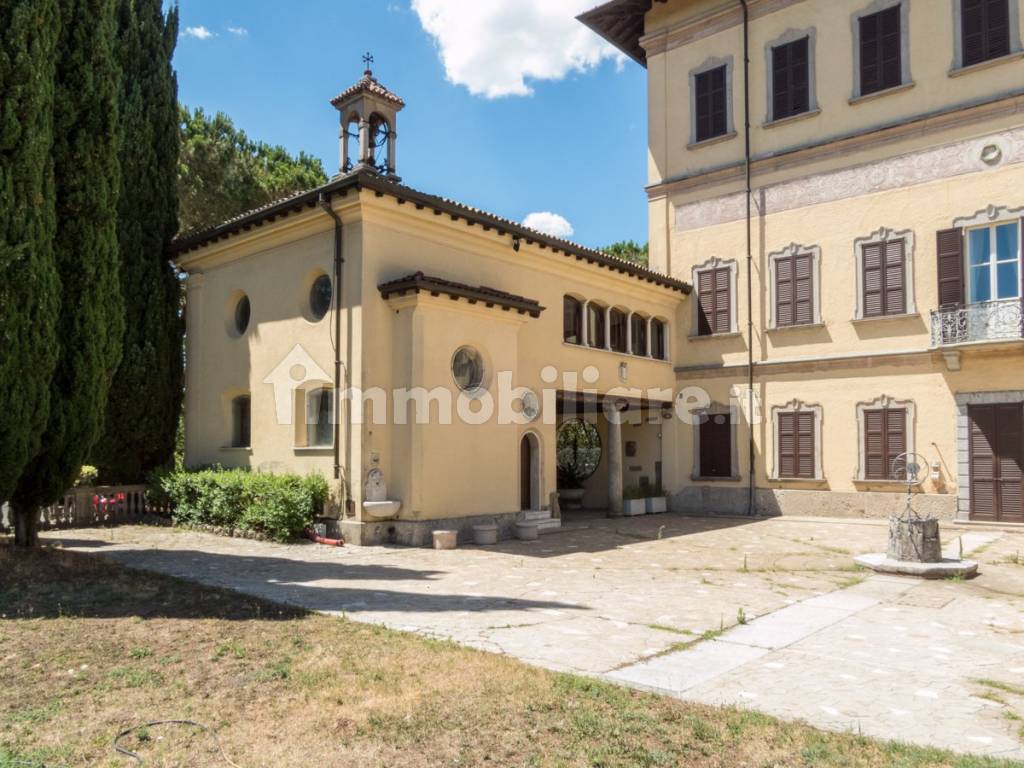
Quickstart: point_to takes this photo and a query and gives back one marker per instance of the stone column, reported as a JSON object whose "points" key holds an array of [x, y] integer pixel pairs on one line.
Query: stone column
{"points": [[613, 415], [365, 151]]}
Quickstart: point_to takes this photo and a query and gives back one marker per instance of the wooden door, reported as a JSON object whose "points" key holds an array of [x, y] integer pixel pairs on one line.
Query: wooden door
{"points": [[525, 474], [996, 434]]}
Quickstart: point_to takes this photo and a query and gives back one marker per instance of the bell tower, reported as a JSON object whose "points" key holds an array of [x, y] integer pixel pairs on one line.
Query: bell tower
{"points": [[369, 112]]}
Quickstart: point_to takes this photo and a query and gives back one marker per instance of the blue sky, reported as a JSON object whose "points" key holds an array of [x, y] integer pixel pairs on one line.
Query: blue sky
{"points": [[574, 145]]}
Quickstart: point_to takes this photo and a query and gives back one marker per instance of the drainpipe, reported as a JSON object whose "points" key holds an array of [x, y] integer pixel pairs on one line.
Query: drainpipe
{"points": [[325, 204], [750, 253]]}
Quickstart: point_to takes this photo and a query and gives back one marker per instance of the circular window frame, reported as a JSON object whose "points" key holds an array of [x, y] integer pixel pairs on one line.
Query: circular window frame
{"points": [[597, 436], [310, 311], [231, 311], [481, 385]]}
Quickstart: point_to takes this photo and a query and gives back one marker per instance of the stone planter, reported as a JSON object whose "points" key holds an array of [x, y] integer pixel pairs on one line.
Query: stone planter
{"points": [[656, 505], [485, 534], [445, 539], [914, 540], [634, 507], [571, 498], [527, 531]]}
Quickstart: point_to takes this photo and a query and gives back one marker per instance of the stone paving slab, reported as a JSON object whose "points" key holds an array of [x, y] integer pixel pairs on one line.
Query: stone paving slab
{"points": [[888, 656]]}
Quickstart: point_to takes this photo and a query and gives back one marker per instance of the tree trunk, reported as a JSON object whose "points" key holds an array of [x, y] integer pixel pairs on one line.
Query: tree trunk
{"points": [[26, 525]]}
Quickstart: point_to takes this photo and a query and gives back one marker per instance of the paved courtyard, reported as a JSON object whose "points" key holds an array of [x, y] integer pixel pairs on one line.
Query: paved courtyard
{"points": [[767, 614]]}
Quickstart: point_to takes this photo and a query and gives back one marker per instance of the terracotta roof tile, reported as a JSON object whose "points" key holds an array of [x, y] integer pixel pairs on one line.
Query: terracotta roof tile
{"points": [[491, 297], [368, 84]]}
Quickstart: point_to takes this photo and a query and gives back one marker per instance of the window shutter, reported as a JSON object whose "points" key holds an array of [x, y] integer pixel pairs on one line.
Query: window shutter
{"points": [[712, 109], [716, 446], [950, 256], [874, 445], [872, 279], [805, 444], [791, 79], [981, 446], [895, 277], [1010, 461], [706, 302], [803, 283], [895, 436], [787, 445], [881, 64], [985, 26], [784, 298], [723, 302]]}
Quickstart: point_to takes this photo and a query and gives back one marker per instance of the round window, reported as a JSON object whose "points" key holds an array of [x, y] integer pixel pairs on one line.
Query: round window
{"points": [[243, 310], [320, 297], [468, 369], [577, 452]]}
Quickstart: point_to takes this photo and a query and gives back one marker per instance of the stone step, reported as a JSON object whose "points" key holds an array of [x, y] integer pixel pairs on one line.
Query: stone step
{"points": [[536, 514], [551, 524]]}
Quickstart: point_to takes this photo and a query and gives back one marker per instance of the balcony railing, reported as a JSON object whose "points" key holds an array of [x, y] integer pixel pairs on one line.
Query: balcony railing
{"points": [[986, 321]]}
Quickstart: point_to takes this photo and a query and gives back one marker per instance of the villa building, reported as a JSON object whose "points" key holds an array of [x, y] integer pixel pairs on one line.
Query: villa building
{"points": [[835, 280], [867, 302]]}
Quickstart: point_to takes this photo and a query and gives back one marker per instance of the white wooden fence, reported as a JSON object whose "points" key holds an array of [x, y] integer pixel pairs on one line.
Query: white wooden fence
{"points": [[92, 505]]}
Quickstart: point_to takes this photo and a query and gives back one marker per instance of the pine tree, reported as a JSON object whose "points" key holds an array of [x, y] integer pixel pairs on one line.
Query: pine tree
{"points": [[29, 285], [139, 430], [90, 323]]}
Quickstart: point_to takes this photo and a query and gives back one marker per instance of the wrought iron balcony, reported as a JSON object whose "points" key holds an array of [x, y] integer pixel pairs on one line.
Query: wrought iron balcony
{"points": [[1001, 320]]}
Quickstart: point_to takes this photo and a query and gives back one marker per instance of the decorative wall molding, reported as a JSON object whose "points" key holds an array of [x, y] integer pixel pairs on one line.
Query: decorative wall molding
{"points": [[793, 249], [877, 6], [958, 36], [948, 161], [709, 64], [791, 407], [717, 409], [991, 214], [880, 234], [879, 403], [963, 452], [791, 36], [715, 263]]}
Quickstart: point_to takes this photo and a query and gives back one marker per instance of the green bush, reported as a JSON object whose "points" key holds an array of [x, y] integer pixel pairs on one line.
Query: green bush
{"points": [[279, 507]]}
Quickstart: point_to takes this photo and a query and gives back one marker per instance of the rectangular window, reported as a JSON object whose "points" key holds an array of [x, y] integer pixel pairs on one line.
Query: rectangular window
{"points": [[881, 64], [985, 26], [319, 418], [884, 278], [791, 79], [794, 290], [241, 421], [796, 445], [885, 438], [658, 346], [710, 100], [595, 326], [715, 445], [638, 325], [994, 262], [617, 330], [572, 320], [714, 301]]}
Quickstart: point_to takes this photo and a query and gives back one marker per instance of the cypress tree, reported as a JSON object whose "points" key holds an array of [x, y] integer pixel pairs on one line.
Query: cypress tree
{"points": [[90, 323], [145, 396], [29, 286]]}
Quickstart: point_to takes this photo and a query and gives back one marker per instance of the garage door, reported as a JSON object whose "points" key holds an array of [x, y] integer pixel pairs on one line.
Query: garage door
{"points": [[997, 462]]}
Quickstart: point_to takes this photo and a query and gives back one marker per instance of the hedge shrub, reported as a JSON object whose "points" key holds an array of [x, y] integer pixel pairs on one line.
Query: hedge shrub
{"points": [[279, 507]]}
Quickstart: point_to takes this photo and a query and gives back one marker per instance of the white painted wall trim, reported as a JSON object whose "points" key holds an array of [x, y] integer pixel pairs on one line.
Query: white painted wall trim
{"points": [[793, 249], [714, 263], [791, 407], [886, 234]]}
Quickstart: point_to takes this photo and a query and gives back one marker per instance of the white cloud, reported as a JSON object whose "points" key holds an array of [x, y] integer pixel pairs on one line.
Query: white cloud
{"points": [[549, 223], [200, 33], [493, 47], [239, 31]]}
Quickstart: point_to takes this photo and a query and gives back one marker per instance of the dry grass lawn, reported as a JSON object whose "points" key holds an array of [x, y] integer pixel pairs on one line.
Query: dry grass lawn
{"points": [[89, 649]]}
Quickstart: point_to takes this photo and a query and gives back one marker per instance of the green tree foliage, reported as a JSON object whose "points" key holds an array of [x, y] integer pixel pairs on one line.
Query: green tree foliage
{"points": [[222, 172], [139, 430], [29, 285], [90, 323], [629, 250]]}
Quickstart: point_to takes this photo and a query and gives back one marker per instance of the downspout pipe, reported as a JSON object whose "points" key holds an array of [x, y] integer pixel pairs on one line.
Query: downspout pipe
{"points": [[325, 204], [749, 192]]}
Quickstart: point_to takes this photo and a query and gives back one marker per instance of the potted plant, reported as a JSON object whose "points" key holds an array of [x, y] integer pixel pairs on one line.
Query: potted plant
{"points": [[657, 504], [633, 502], [570, 488]]}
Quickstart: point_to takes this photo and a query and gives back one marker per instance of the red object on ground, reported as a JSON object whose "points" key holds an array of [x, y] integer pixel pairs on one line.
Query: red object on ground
{"points": [[312, 536]]}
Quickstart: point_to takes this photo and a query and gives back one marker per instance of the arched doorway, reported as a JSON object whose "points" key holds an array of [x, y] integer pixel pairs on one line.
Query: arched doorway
{"points": [[529, 472]]}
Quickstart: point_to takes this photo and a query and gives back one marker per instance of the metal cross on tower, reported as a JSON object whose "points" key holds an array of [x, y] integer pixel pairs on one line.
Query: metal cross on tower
{"points": [[367, 59]]}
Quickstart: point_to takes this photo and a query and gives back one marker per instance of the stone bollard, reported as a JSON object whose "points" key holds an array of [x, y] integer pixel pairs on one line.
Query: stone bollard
{"points": [[485, 534], [912, 540], [527, 531]]}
